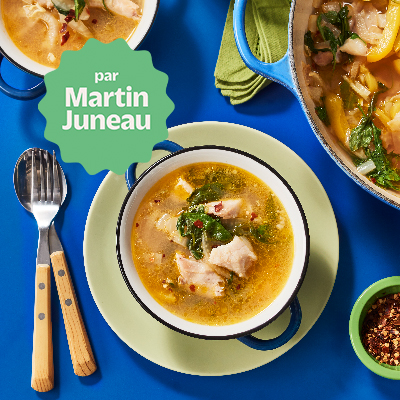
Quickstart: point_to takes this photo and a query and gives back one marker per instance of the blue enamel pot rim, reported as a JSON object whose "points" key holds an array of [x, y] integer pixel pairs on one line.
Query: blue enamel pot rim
{"points": [[284, 72], [245, 335]]}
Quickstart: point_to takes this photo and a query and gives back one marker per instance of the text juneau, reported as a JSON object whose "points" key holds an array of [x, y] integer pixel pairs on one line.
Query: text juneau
{"points": [[121, 98]]}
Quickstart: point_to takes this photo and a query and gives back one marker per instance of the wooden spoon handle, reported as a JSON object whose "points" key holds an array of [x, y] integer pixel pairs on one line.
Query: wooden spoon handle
{"points": [[78, 340], [42, 356]]}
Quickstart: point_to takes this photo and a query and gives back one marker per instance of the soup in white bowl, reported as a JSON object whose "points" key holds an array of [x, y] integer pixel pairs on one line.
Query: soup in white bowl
{"points": [[211, 247]]}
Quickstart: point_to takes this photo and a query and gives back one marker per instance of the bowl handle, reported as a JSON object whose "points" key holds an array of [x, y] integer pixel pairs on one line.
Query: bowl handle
{"points": [[19, 94], [167, 145], [270, 344], [278, 71]]}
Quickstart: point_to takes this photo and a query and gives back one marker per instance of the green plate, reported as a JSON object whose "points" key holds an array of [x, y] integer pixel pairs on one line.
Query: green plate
{"points": [[176, 351]]}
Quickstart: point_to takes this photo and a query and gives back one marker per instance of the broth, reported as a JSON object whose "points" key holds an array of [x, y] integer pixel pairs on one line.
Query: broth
{"points": [[354, 81], [31, 35], [155, 249]]}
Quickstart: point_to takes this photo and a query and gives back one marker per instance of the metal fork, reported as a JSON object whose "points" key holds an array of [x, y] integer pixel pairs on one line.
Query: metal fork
{"points": [[45, 203]]}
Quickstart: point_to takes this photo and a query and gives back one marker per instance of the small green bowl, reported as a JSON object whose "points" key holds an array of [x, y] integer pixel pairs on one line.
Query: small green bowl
{"points": [[378, 289]]}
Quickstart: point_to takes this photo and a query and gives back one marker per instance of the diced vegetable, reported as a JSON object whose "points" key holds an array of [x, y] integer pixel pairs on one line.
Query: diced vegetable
{"points": [[386, 43], [396, 65], [366, 167], [337, 117]]}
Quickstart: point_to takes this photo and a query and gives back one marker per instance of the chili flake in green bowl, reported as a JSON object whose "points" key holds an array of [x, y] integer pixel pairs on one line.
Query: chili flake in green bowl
{"points": [[374, 327]]}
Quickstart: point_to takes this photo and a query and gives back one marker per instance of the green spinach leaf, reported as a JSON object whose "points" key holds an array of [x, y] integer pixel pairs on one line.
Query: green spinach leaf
{"points": [[361, 136], [193, 223], [322, 115], [206, 193], [384, 175]]}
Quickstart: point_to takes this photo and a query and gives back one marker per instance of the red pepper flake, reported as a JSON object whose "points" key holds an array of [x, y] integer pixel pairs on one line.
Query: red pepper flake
{"points": [[237, 287], [378, 333], [157, 201], [163, 255], [137, 224], [64, 38], [192, 288], [214, 246], [198, 224], [70, 16], [253, 216], [94, 21], [373, 180], [218, 207], [63, 28]]}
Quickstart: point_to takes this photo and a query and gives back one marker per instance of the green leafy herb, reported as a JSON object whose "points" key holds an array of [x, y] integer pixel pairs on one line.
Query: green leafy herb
{"points": [[384, 175], [262, 233], [230, 280], [322, 115], [105, 6], [338, 19], [361, 136], [355, 36], [62, 7], [366, 133], [309, 42], [79, 6], [348, 96], [206, 193], [193, 223]]}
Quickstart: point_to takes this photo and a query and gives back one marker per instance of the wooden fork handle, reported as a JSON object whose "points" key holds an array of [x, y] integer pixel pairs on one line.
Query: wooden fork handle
{"points": [[78, 340], [42, 356]]}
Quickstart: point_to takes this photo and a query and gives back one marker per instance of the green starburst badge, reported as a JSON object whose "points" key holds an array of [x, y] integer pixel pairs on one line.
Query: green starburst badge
{"points": [[106, 106]]}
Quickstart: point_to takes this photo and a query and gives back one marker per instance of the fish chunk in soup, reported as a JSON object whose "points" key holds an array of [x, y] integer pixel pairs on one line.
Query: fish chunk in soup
{"points": [[212, 244], [43, 29]]}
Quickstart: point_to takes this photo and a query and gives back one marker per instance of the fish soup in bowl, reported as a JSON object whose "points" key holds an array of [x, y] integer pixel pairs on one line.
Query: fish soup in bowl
{"points": [[34, 33], [212, 242]]}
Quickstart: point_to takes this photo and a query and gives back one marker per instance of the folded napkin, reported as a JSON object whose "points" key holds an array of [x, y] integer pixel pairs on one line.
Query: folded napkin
{"points": [[266, 23]]}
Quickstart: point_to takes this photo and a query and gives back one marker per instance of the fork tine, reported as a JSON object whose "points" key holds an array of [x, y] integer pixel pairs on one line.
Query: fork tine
{"points": [[34, 187], [48, 182], [41, 173], [56, 181]]}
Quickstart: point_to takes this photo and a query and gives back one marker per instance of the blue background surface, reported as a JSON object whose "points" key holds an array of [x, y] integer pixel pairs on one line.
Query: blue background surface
{"points": [[184, 43]]}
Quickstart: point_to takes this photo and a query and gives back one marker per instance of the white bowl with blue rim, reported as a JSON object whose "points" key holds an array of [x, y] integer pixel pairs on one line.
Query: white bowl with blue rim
{"points": [[12, 53], [179, 157], [289, 72]]}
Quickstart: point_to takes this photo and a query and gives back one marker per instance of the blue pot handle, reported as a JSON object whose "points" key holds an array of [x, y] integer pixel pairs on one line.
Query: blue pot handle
{"points": [[19, 94], [278, 71], [167, 145], [270, 344]]}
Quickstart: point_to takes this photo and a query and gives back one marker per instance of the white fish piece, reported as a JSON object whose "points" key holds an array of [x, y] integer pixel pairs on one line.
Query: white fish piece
{"points": [[224, 209], [356, 47], [184, 185], [78, 26], [167, 224], [35, 11], [126, 8], [45, 3], [237, 256], [198, 273]]}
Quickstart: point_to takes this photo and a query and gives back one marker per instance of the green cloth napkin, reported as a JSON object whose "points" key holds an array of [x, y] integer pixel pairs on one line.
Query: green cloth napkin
{"points": [[266, 23]]}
